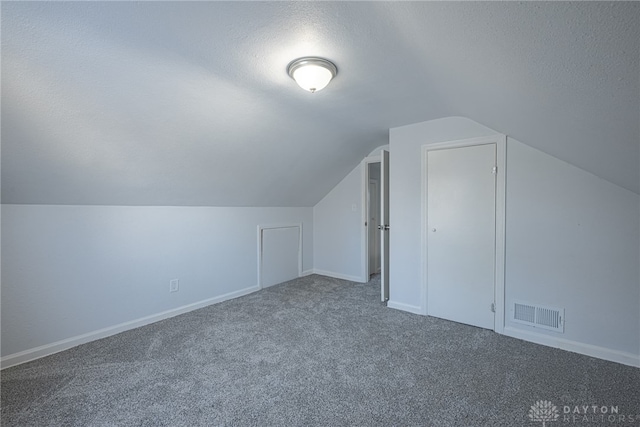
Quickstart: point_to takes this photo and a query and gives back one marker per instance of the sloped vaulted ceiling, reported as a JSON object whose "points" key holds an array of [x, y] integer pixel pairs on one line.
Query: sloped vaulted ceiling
{"points": [[189, 103]]}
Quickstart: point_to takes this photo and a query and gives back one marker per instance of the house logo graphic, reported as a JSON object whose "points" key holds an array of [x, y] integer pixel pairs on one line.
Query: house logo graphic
{"points": [[544, 411]]}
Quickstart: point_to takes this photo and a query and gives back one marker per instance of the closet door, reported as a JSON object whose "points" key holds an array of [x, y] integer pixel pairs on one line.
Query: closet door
{"points": [[461, 234]]}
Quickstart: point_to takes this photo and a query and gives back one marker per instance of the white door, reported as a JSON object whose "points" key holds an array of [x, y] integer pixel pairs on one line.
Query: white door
{"points": [[461, 217], [384, 226]]}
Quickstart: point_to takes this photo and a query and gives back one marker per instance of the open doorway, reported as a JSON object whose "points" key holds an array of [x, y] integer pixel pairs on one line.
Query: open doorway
{"points": [[373, 218]]}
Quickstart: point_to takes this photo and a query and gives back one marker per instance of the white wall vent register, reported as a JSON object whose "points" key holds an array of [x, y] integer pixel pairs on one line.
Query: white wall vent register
{"points": [[538, 316]]}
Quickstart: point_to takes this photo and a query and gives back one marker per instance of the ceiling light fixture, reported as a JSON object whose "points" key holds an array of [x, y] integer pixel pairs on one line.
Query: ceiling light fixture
{"points": [[311, 73]]}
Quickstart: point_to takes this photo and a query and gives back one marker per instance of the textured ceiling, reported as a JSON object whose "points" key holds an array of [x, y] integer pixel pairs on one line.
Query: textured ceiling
{"points": [[189, 103]]}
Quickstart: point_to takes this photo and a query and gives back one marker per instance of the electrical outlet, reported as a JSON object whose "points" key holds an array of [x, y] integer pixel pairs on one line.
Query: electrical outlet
{"points": [[174, 285]]}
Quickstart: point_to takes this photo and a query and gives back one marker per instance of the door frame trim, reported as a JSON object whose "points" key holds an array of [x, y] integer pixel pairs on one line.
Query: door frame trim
{"points": [[261, 229], [499, 268]]}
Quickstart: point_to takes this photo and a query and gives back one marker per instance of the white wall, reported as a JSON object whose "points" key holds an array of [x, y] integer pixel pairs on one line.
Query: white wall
{"points": [[74, 270], [338, 229], [339, 232], [572, 241]]}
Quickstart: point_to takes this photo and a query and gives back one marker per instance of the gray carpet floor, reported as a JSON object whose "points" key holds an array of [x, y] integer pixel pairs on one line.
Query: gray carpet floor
{"points": [[311, 352]]}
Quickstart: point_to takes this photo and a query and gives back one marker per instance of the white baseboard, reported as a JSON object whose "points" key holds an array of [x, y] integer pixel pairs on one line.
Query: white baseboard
{"points": [[338, 275], [49, 349], [306, 273], [405, 307], [574, 346]]}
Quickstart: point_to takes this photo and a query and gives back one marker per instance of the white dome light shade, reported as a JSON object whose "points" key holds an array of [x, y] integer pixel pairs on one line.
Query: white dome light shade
{"points": [[312, 74]]}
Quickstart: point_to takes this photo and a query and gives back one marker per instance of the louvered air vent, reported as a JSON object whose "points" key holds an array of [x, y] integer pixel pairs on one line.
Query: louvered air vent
{"points": [[538, 316]]}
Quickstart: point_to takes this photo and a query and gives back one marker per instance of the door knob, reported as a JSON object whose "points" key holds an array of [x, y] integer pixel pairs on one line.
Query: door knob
{"points": [[433, 229]]}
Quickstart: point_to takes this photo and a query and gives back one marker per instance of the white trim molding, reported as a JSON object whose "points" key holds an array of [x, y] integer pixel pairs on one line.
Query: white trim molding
{"points": [[58, 346], [500, 142], [338, 275], [604, 353], [415, 309]]}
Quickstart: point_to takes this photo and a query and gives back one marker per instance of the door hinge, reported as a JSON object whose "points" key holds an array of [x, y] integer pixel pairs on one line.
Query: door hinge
{"points": [[493, 307], [494, 170]]}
